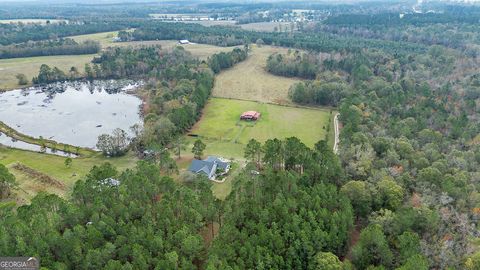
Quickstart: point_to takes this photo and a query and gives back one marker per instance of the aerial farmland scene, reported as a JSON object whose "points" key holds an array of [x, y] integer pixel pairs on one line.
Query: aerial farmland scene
{"points": [[231, 135]]}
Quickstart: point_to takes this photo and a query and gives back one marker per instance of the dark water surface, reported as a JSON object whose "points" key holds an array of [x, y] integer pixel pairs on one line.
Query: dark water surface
{"points": [[75, 113]]}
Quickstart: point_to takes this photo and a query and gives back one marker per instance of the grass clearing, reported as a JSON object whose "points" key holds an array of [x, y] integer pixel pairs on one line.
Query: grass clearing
{"points": [[249, 80], [267, 26], [202, 51], [30, 66], [54, 166], [220, 124], [105, 38], [221, 190]]}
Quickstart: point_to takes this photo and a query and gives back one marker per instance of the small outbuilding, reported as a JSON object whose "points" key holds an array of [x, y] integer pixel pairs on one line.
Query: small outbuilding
{"points": [[183, 41], [250, 115]]}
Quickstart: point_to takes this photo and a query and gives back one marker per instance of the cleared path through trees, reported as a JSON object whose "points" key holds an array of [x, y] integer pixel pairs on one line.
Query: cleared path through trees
{"points": [[337, 133]]}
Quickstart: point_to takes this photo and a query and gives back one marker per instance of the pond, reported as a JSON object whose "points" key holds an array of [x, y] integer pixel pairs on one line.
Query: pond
{"points": [[74, 113]]}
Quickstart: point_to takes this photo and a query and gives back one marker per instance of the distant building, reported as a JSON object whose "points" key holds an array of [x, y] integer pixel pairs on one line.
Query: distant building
{"points": [[250, 115], [184, 41], [211, 167]]}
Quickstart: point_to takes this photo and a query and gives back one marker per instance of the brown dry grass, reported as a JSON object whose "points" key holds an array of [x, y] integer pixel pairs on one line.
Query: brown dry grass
{"points": [[249, 80], [267, 26], [30, 66], [202, 51]]}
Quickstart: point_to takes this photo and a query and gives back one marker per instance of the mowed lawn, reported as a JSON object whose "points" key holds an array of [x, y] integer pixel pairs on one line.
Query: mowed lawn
{"points": [[30, 66], [54, 166], [249, 80], [220, 124]]}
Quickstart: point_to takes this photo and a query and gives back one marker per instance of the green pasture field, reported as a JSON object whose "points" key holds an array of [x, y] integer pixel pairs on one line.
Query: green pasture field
{"points": [[220, 123]]}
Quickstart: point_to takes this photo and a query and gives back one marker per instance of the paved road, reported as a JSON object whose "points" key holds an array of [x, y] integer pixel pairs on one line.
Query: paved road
{"points": [[337, 133]]}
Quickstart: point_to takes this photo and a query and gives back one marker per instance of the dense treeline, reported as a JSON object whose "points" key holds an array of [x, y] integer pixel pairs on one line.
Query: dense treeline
{"points": [[50, 47], [295, 65], [231, 36], [139, 221], [390, 19], [325, 93], [459, 36], [47, 74], [220, 36], [19, 33], [281, 219], [410, 136], [223, 60]]}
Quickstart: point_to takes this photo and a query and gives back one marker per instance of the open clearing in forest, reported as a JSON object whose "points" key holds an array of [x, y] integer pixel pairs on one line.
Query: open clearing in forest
{"points": [[267, 26], [226, 135], [202, 51], [248, 80], [54, 166], [30, 66]]}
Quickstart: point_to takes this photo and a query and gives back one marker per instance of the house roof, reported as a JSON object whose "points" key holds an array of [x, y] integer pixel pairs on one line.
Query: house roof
{"points": [[222, 164], [250, 114], [208, 166], [202, 166]]}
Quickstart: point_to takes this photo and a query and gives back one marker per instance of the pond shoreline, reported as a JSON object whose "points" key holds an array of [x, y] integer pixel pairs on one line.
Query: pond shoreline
{"points": [[12, 133], [129, 87]]}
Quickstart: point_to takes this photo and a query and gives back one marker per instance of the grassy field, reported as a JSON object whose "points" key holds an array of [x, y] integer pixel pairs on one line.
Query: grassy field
{"points": [[267, 26], [250, 81], [54, 166], [105, 38], [31, 65], [201, 51], [220, 124]]}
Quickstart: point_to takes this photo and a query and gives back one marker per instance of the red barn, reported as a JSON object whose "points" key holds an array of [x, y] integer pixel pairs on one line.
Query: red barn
{"points": [[250, 115]]}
